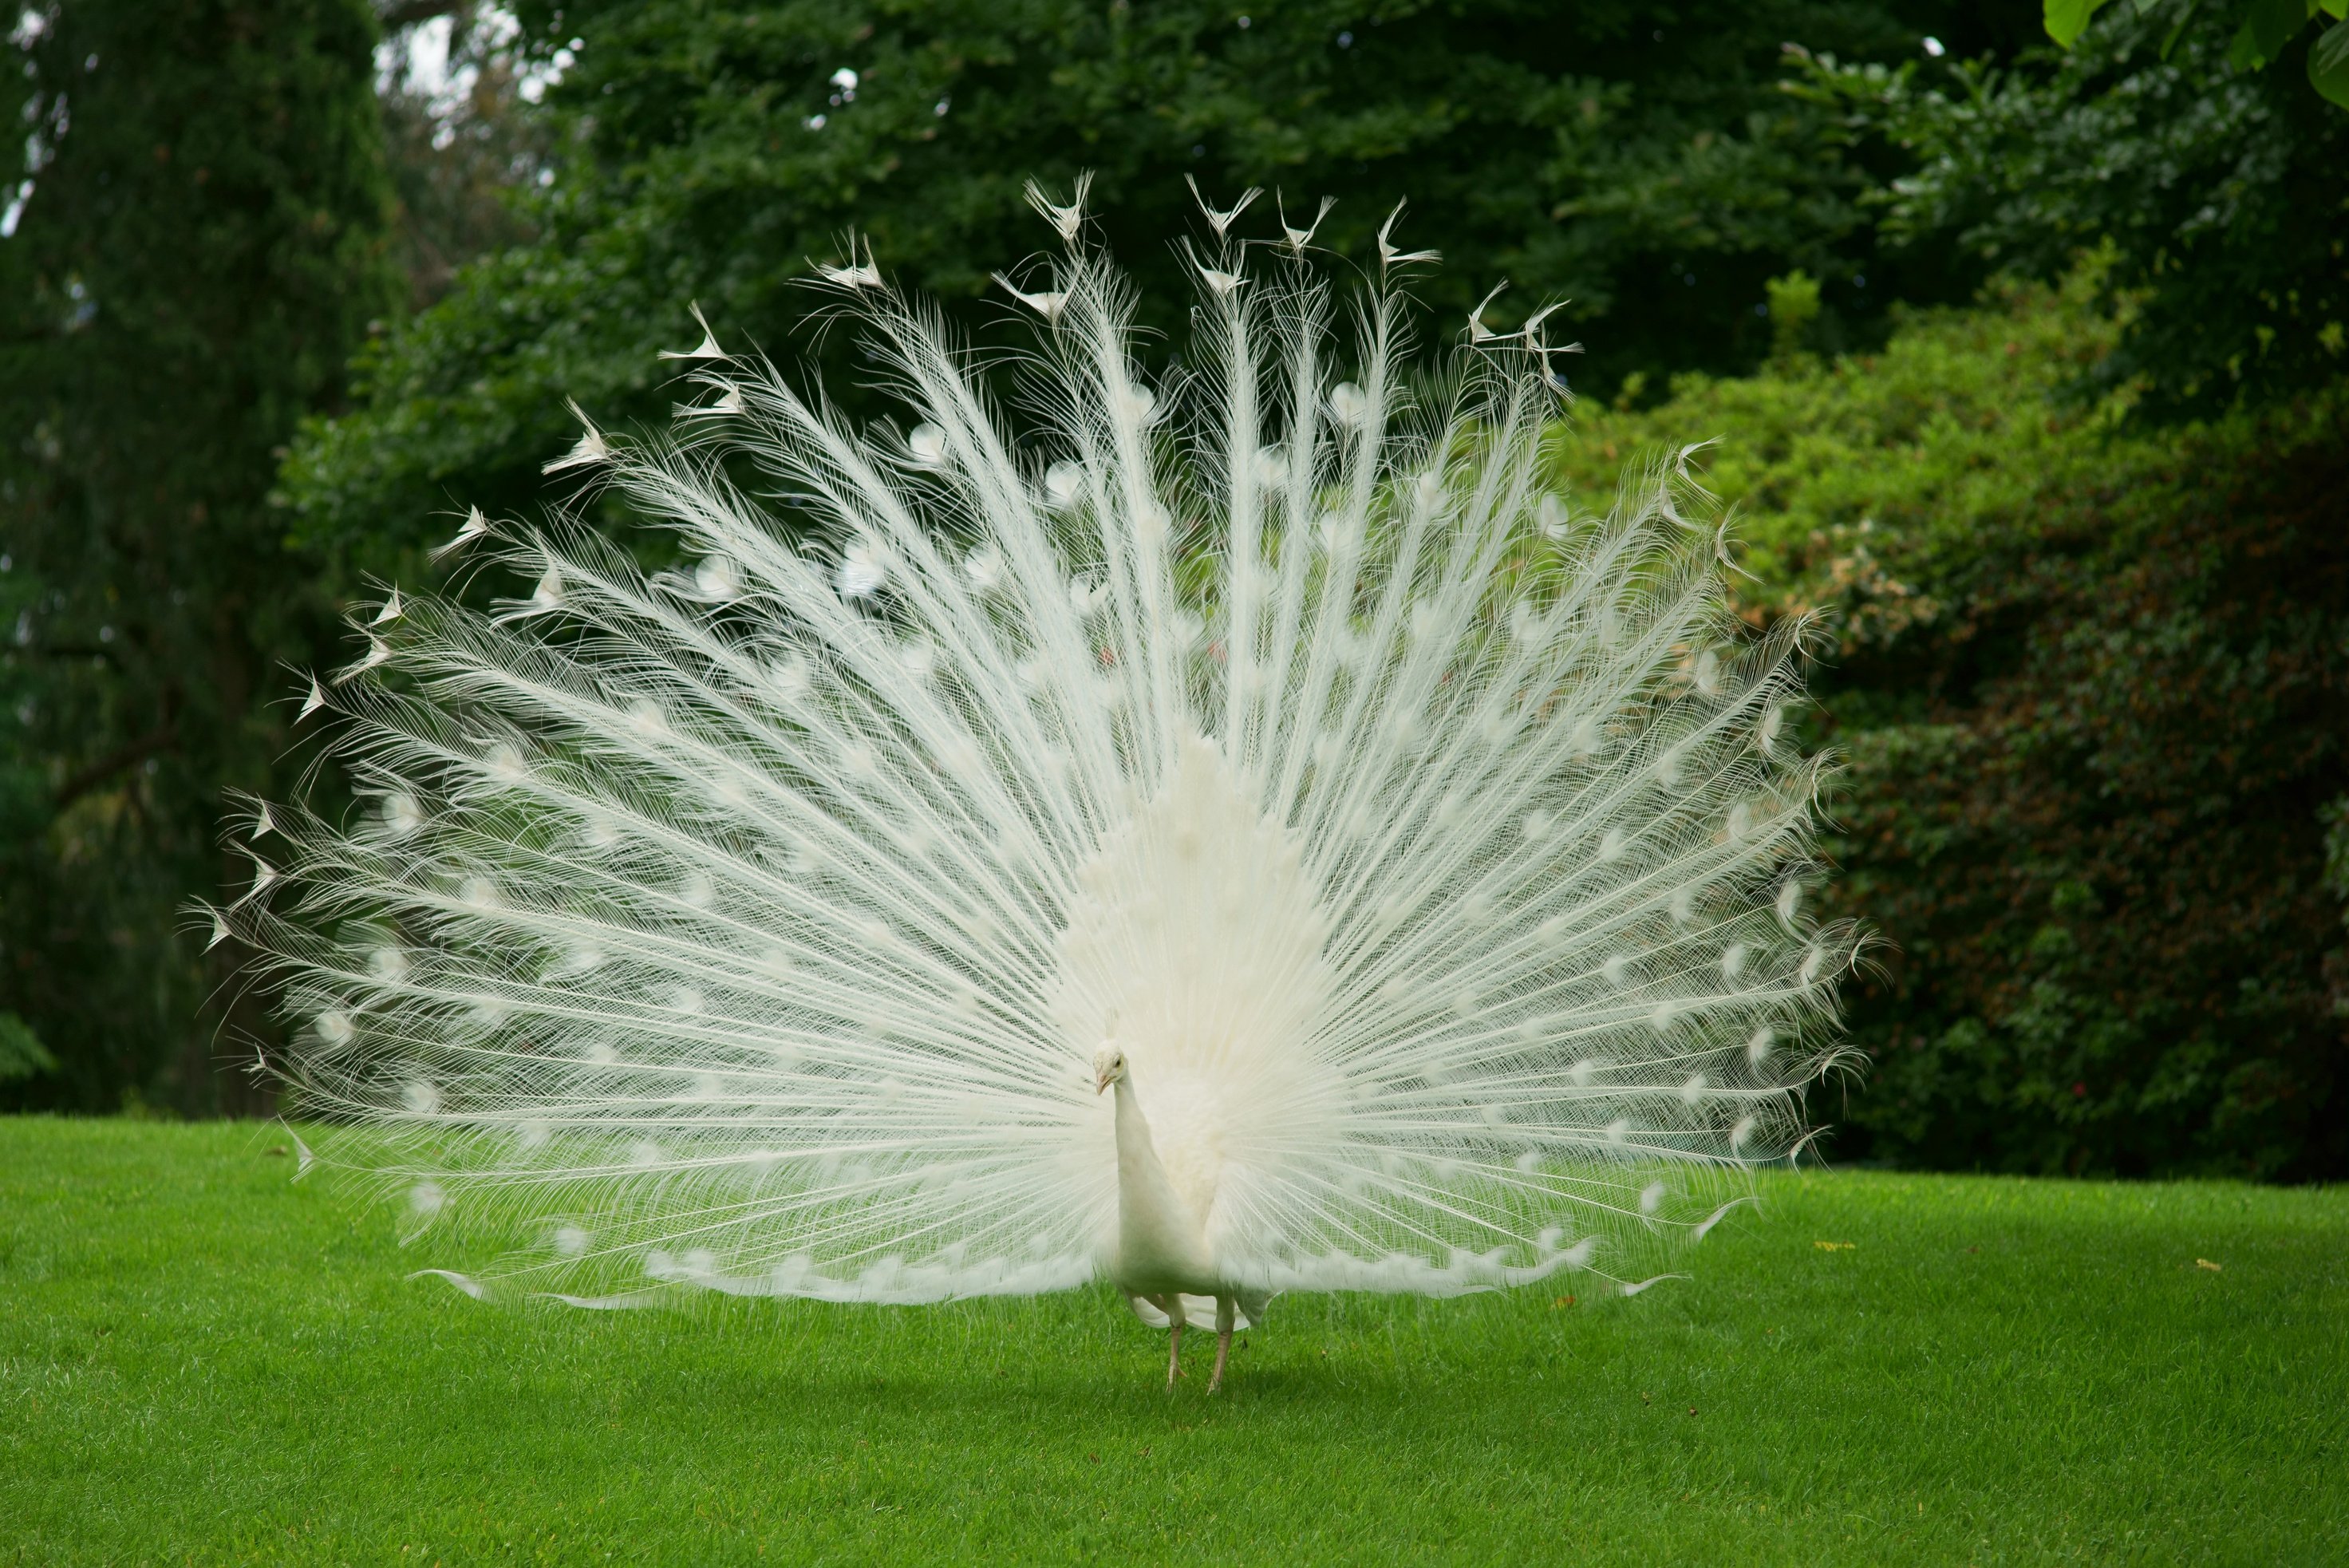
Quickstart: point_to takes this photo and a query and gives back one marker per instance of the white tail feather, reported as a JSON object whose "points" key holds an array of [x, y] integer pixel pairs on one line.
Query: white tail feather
{"points": [[1435, 856]]}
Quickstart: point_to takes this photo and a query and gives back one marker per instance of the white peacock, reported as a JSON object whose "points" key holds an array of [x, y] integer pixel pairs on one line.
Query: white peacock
{"points": [[1242, 837]]}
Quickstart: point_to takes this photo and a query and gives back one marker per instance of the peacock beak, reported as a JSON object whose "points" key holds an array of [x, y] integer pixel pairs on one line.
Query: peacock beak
{"points": [[1101, 1082]]}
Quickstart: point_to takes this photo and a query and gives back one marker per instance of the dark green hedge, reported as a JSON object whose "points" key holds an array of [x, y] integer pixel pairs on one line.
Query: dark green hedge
{"points": [[2094, 691], [2101, 857]]}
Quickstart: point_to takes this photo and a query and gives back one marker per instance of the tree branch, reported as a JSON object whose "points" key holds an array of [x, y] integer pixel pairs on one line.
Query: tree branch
{"points": [[394, 15], [115, 761]]}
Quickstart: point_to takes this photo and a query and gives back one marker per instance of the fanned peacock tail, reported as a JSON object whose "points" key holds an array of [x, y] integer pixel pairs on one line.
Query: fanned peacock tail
{"points": [[753, 925]]}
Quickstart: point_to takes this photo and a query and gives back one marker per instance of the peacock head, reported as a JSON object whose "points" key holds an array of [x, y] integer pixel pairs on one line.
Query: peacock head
{"points": [[1109, 1065]]}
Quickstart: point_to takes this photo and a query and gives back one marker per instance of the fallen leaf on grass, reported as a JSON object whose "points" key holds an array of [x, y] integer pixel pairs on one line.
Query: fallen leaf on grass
{"points": [[2206, 1263], [1834, 1246]]}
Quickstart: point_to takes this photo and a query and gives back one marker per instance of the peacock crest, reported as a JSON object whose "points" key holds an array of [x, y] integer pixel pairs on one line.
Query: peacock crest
{"points": [[1422, 859]]}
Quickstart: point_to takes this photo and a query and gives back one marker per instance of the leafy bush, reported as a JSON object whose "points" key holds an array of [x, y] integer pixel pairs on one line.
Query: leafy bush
{"points": [[2094, 692]]}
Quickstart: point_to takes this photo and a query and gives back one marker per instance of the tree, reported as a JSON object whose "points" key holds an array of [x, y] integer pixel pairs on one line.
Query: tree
{"points": [[2257, 32], [460, 136], [1635, 160], [2221, 190], [197, 247]]}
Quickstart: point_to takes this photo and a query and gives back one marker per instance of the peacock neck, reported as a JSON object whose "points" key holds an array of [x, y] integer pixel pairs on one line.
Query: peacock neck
{"points": [[1160, 1242], [1137, 1156]]}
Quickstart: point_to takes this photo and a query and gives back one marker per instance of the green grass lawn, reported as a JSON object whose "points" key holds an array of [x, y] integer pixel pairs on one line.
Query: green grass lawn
{"points": [[201, 1361]]}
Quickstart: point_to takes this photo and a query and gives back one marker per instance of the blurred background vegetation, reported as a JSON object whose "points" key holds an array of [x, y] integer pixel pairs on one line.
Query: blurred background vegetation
{"points": [[2021, 327]]}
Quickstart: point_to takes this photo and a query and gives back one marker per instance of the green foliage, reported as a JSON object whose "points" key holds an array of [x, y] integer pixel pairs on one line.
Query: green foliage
{"points": [[2222, 192], [2328, 63], [2109, 867], [2336, 847], [1987, 1371], [1640, 162], [201, 248], [2256, 31], [1944, 438], [1794, 307], [2091, 678], [2095, 690], [2067, 19], [22, 1054]]}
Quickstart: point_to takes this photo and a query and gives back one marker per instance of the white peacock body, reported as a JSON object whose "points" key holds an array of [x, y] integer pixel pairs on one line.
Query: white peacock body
{"points": [[1432, 856]]}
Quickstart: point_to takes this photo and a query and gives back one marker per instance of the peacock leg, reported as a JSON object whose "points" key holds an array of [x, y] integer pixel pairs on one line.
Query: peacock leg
{"points": [[1172, 1303], [1224, 1314]]}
